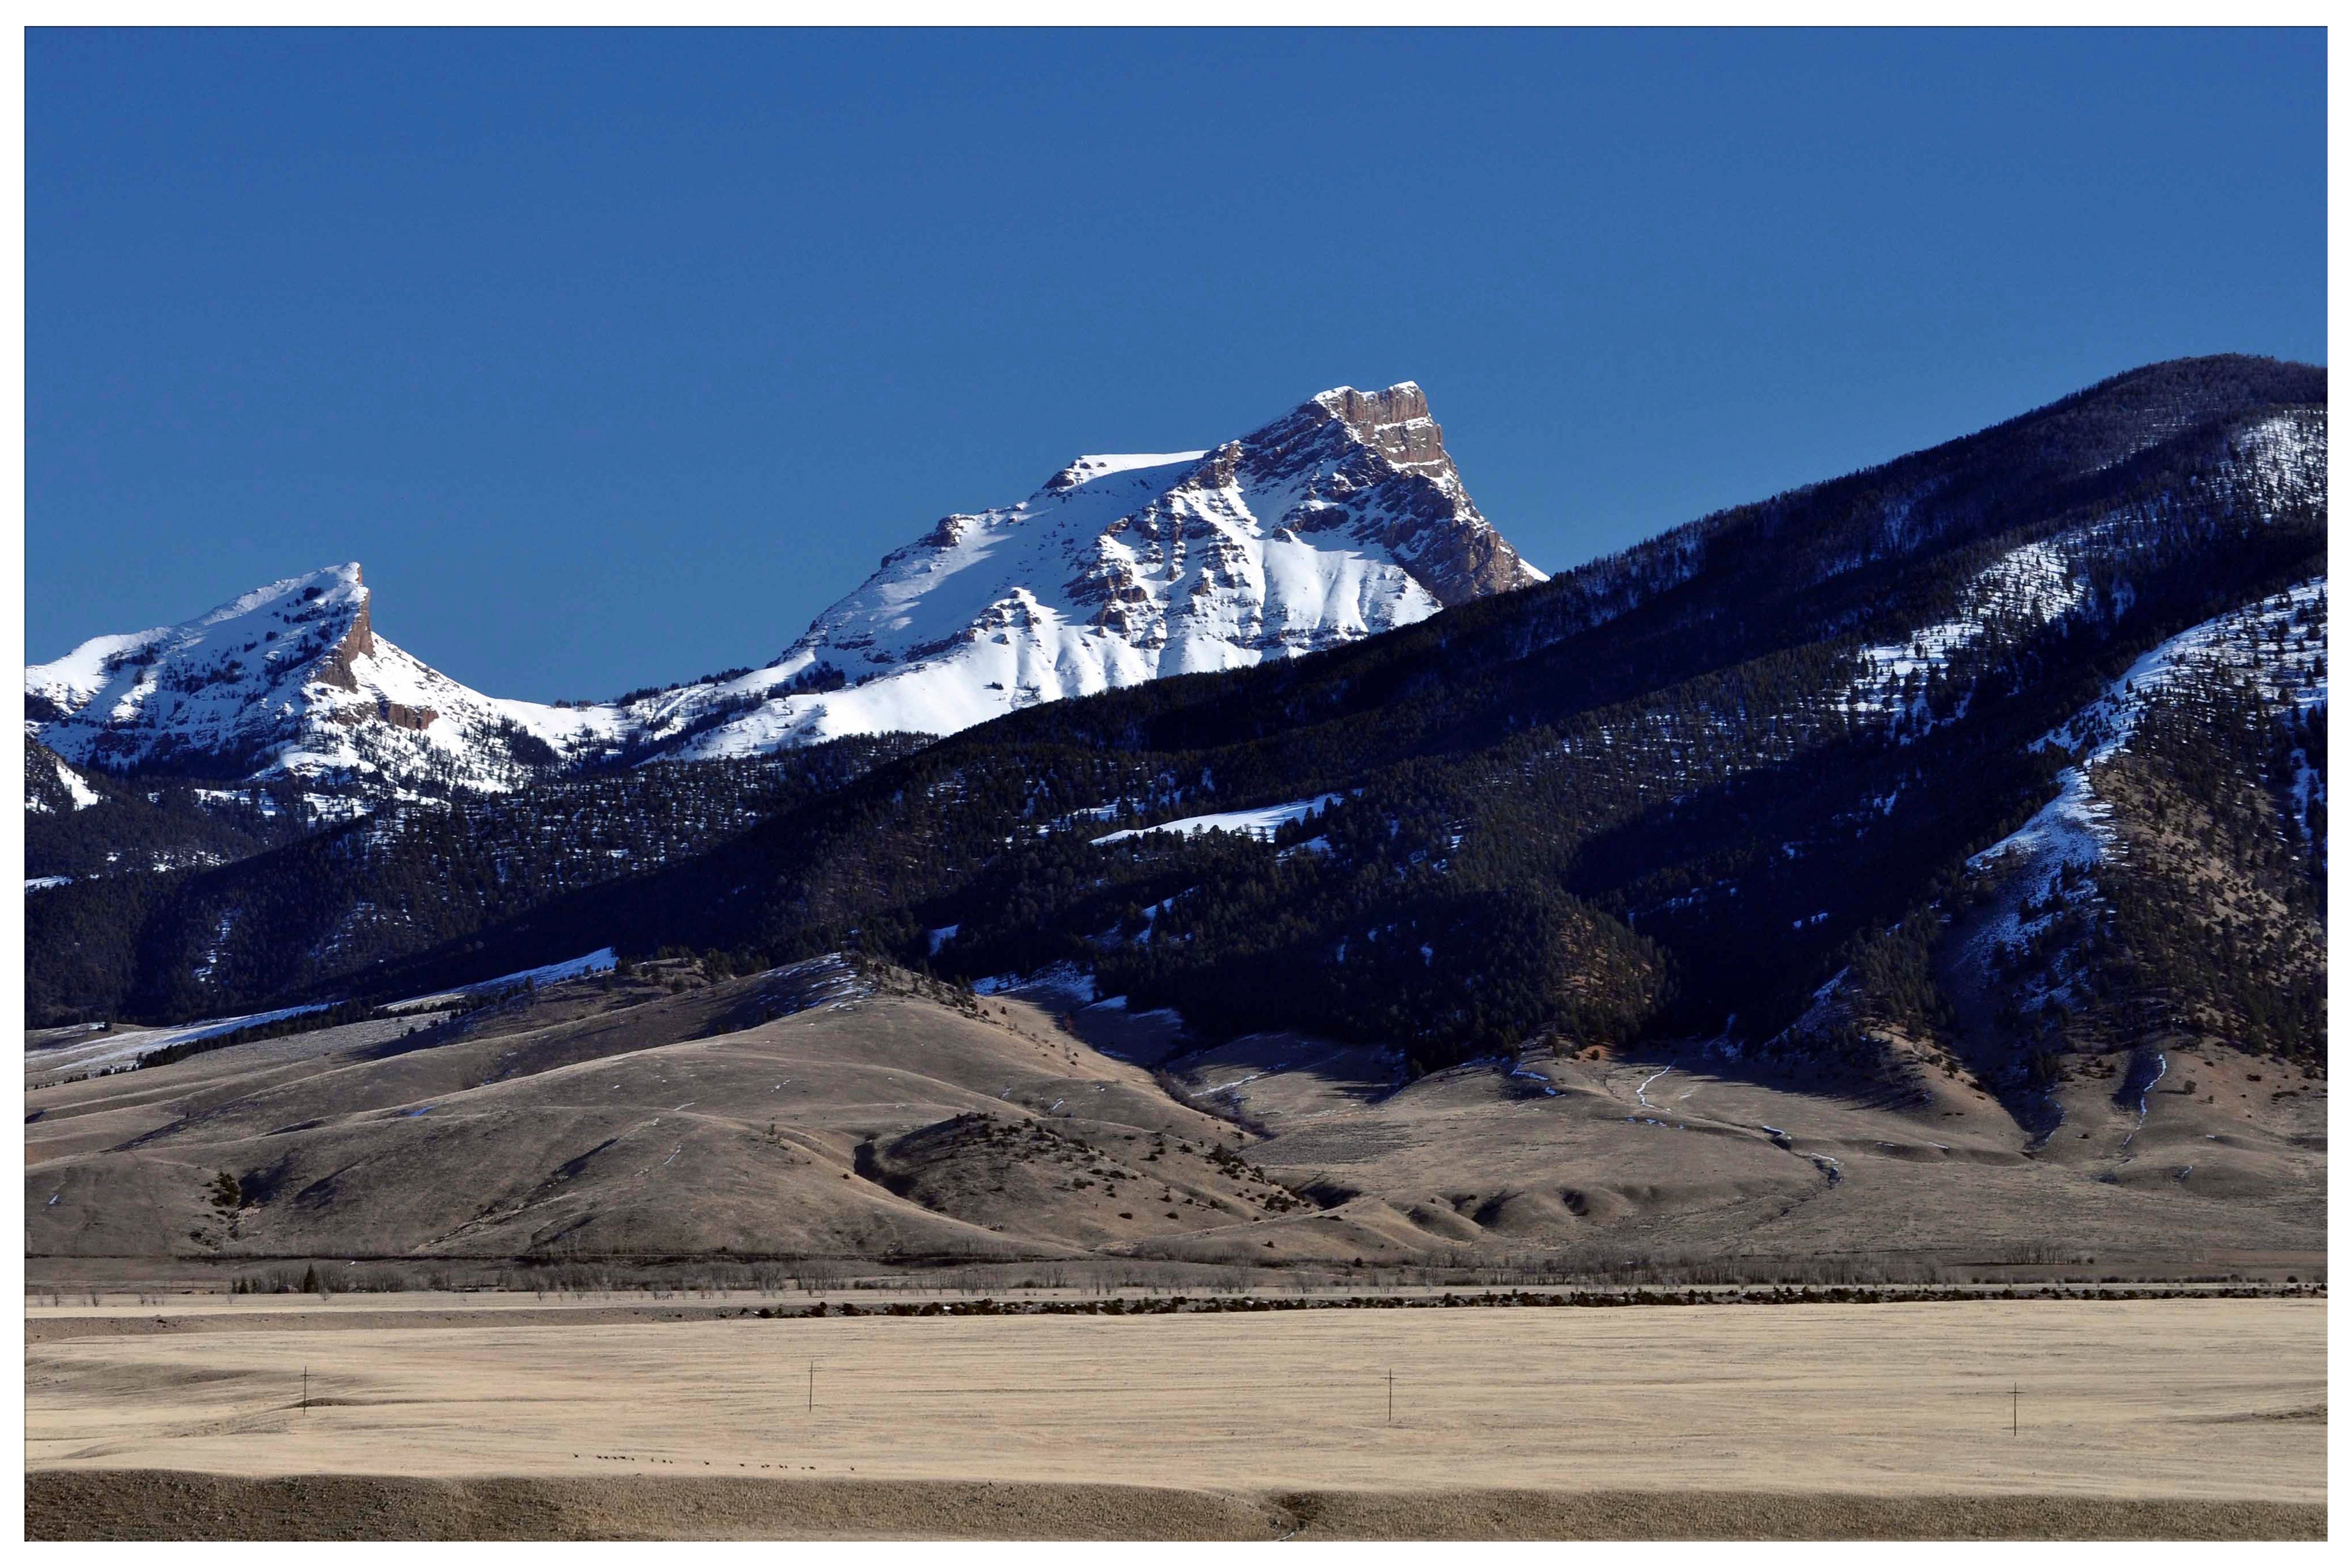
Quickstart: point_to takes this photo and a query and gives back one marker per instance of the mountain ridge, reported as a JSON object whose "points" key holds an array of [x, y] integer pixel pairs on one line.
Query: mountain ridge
{"points": [[1689, 784], [1118, 569]]}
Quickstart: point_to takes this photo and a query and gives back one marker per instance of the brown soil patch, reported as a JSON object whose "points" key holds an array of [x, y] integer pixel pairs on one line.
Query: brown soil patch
{"points": [[164, 1505]]}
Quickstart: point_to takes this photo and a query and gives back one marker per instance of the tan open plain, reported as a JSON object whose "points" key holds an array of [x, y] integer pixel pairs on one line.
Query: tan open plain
{"points": [[2202, 1402]]}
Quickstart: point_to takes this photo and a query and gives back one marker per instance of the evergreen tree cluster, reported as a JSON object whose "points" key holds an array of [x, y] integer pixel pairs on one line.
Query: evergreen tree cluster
{"points": [[330, 907]]}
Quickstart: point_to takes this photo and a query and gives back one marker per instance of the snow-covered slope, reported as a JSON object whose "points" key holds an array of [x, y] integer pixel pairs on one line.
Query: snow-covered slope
{"points": [[2271, 464], [51, 786], [2020, 591], [1259, 822], [2279, 644], [2050, 871], [292, 680], [1344, 518]]}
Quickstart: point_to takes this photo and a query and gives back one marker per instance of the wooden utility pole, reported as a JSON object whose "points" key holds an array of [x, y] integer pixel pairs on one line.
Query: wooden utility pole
{"points": [[2012, 1410], [306, 1388], [1391, 1396], [812, 1388]]}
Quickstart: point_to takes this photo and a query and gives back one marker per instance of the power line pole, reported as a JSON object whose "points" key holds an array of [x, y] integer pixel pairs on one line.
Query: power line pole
{"points": [[812, 1388], [306, 1388], [1391, 1396], [2012, 1410]]}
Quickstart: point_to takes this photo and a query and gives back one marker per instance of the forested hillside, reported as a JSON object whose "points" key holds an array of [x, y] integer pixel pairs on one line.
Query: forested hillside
{"points": [[332, 905]]}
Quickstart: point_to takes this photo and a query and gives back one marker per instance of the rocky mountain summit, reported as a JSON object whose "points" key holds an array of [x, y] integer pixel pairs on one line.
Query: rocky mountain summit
{"points": [[291, 680], [1343, 519]]}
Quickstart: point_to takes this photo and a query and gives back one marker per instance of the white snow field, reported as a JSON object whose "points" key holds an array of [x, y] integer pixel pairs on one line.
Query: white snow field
{"points": [[78, 791]]}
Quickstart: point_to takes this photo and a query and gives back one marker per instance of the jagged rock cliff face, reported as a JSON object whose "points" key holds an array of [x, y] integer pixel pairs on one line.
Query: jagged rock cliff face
{"points": [[1397, 491]]}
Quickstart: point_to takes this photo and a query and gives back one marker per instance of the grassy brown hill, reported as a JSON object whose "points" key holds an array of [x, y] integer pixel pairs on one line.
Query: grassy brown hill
{"points": [[880, 1123], [890, 1117]]}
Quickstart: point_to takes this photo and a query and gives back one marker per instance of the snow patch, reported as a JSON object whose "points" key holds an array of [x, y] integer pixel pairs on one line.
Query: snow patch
{"points": [[129, 1047], [600, 962], [1258, 822], [78, 792]]}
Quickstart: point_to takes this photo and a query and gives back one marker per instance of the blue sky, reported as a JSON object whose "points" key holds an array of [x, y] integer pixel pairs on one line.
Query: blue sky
{"points": [[617, 356]]}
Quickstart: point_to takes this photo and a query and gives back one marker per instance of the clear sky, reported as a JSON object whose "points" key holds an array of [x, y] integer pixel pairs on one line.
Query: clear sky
{"points": [[615, 357]]}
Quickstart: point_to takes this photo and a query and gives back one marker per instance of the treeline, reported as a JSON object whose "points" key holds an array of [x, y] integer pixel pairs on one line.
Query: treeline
{"points": [[142, 825]]}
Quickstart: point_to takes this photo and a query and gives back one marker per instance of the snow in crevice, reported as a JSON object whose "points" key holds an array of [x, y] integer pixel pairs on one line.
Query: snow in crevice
{"points": [[77, 791], [2140, 1122], [78, 795]]}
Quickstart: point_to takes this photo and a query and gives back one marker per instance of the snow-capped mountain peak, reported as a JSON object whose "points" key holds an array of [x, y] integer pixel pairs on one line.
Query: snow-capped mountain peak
{"points": [[292, 678], [170, 690], [1343, 518]]}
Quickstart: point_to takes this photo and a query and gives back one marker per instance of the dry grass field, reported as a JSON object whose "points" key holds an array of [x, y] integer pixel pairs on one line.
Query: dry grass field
{"points": [[2170, 1417], [883, 1122]]}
